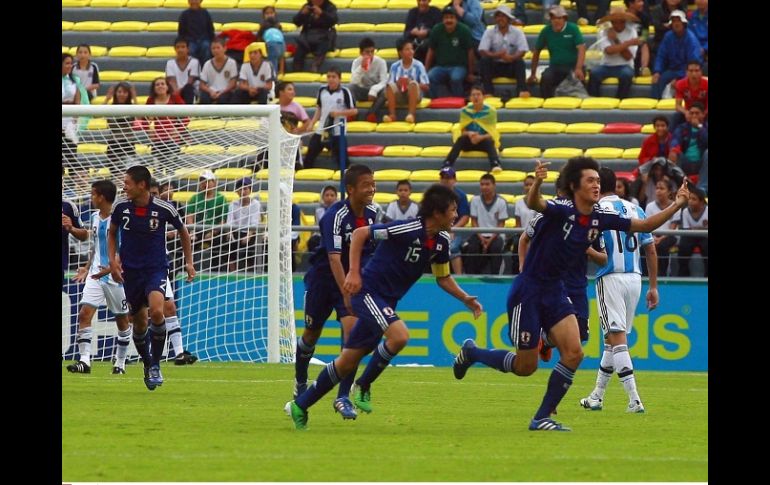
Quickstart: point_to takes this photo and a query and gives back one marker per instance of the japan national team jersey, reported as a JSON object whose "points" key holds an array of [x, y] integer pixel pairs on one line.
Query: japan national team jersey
{"points": [[143, 232], [402, 255], [623, 248], [99, 228], [563, 236]]}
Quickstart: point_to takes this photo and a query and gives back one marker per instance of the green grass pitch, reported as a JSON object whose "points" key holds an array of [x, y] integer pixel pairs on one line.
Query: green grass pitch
{"points": [[225, 422]]}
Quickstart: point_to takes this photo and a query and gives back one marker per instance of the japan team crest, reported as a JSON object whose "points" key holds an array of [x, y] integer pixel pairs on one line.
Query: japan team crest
{"points": [[153, 223], [592, 233]]}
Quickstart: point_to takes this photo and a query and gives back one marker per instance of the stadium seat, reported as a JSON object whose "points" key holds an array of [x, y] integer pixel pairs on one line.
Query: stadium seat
{"points": [[128, 26], [264, 174], [96, 51], [232, 173], [604, 152], [600, 103], [248, 26], [302, 77], [166, 51], [546, 127], [361, 127], [229, 195], [510, 222], [86, 148], [473, 154], [648, 129], [349, 53], [562, 102], [107, 3], [389, 54], [99, 172], [510, 176], [534, 29], [305, 101], [66, 25], [314, 174], [588, 29], [142, 149], [256, 4], [345, 79], [631, 153], [521, 152], [384, 197], [305, 197], [389, 27], [494, 102], [75, 3], [643, 80], [524, 103], [617, 128], [127, 51], [503, 80], [369, 4], [630, 176], [261, 195], [145, 76], [638, 103], [203, 149], [336, 175], [365, 150], [166, 26], [391, 175], [175, 4], [512, 127], [99, 100], [182, 196], [144, 3], [242, 125], [449, 102], [584, 128], [401, 151], [113, 76], [395, 127], [400, 4], [562, 152], [141, 99], [544, 55], [416, 197], [91, 26], [97, 124], [436, 151], [549, 178], [469, 175], [355, 27], [424, 175], [433, 127], [669, 104], [241, 149], [610, 81]]}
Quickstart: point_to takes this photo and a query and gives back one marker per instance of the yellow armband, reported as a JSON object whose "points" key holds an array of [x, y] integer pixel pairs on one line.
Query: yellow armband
{"points": [[440, 270]]}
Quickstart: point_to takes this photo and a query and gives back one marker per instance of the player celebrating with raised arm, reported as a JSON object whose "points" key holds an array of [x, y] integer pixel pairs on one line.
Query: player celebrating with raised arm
{"points": [[143, 265], [537, 298], [326, 277], [404, 251]]}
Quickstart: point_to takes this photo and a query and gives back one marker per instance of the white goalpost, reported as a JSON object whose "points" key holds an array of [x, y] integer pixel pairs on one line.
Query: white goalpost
{"points": [[230, 172]]}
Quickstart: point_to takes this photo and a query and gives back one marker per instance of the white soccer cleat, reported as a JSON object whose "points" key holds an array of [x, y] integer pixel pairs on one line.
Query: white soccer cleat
{"points": [[635, 407], [591, 403]]}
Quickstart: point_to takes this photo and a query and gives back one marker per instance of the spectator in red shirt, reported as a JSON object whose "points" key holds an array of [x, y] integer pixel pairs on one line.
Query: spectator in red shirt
{"points": [[659, 143], [694, 87]]}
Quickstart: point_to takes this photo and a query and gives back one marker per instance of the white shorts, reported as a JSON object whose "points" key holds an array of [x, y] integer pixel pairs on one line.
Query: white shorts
{"points": [[617, 295], [96, 293]]}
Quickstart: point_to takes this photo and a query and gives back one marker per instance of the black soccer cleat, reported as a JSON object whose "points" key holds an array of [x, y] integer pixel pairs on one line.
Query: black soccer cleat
{"points": [[118, 370], [79, 367], [185, 358]]}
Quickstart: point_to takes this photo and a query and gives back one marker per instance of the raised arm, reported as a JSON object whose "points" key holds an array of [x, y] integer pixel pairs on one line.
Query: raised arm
{"points": [[653, 222], [534, 200]]}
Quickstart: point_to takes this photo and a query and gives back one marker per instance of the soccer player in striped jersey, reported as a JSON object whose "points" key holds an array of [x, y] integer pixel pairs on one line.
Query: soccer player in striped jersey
{"points": [[99, 287], [618, 288], [70, 224], [326, 276], [143, 265], [538, 300], [404, 251]]}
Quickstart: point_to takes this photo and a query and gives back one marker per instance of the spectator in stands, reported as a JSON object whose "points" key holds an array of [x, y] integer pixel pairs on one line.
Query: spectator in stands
{"points": [[502, 51], [419, 22], [623, 190], [678, 48], [660, 15], [86, 71], [328, 197], [694, 216], [292, 114], [450, 55], [196, 26], [471, 14], [183, 72], [70, 94], [335, 104], [659, 143], [618, 44], [244, 214], [482, 253], [255, 82], [478, 131], [317, 19], [566, 48], [403, 207], [121, 142], [650, 173], [694, 87], [582, 10], [521, 212], [166, 132], [368, 78], [218, 76], [664, 197], [699, 26], [690, 141], [271, 33], [236, 42], [642, 58], [208, 207], [448, 177], [407, 82]]}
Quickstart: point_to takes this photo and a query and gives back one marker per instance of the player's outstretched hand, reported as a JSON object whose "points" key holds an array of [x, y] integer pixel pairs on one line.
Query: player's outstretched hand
{"points": [[652, 298], [683, 194], [103, 271], [352, 283], [190, 271], [473, 304], [80, 276], [541, 172]]}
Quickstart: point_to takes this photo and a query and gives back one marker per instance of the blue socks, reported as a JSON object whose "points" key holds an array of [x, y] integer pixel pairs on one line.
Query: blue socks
{"points": [[304, 354], [501, 360], [142, 344], [379, 362], [324, 383], [558, 385]]}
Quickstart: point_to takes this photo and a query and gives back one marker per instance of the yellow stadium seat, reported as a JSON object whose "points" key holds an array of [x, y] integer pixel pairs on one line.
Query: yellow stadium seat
{"points": [[336, 176], [254, 45], [145, 76], [503, 80], [600, 103], [96, 51], [548, 127], [349, 53], [534, 29], [65, 50], [433, 127], [188, 173], [610, 81], [391, 175], [424, 176], [91, 26], [521, 152], [288, 26], [588, 29], [66, 25], [314, 174], [256, 4], [361, 127], [416, 197], [99, 100], [250, 26], [242, 125], [107, 3], [424, 103], [604, 152], [261, 195], [128, 26], [401, 4], [229, 195], [345, 78], [389, 27], [395, 127], [669, 104], [550, 178], [341, 4], [161, 51], [638, 103], [176, 4], [75, 3], [562, 102], [127, 51], [643, 80], [369, 4], [494, 102], [631, 153], [307, 219], [648, 129], [110, 76], [508, 198], [401, 151], [141, 99], [203, 149], [219, 3], [302, 77], [355, 27], [512, 127], [473, 154], [232, 173], [306, 101], [510, 176], [144, 3], [182, 196], [99, 172], [469, 175], [217, 26], [97, 124], [436, 151], [584, 128], [241, 149], [524, 103], [85, 148], [263, 174], [563, 152], [384, 198], [359, 104], [510, 222], [166, 26], [389, 54], [544, 55]]}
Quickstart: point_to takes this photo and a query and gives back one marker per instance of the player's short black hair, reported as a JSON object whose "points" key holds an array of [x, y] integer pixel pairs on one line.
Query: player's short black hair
{"points": [[573, 172], [106, 189], [404, 182], [354, 172], [140, 173], [437, 198], [365, 43], [607, 179]]}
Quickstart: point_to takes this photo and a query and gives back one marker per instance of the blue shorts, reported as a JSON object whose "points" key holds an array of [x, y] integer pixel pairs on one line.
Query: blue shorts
{"points": [[322, 295], [533, 305], [138, 284], [375, 314], [580, 302]]}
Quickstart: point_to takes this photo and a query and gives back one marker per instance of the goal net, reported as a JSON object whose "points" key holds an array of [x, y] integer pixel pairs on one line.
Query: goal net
{"points": [[230, 171]]}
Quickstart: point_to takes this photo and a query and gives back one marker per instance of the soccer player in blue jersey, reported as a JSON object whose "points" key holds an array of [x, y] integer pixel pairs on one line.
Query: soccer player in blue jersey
{"points": [[326, 276], [537, 298], [404, 251], [98, 289], [143, 265], [618, 288]]}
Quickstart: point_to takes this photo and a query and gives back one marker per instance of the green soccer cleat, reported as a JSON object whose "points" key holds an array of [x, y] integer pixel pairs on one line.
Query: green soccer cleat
{"points": [[297, 414], [362, 399]]}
